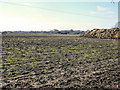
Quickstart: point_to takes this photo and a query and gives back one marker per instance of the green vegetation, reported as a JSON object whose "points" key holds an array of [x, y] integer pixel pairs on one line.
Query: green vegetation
{"points": [[59, 61]]}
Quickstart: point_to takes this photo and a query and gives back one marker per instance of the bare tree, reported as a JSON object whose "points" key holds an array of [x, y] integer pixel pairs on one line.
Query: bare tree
{"points": [[113, 2]]}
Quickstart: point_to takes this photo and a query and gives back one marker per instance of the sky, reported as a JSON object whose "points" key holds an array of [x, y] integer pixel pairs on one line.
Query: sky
{"points": [[37, 15]]}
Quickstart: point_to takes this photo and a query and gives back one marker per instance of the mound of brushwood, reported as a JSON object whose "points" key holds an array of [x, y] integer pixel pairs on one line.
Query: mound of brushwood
{"points": [[113, 33]]}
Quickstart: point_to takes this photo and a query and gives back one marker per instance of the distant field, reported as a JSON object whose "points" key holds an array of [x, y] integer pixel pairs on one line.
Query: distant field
{"points": [[38, 35], [59, 61]]}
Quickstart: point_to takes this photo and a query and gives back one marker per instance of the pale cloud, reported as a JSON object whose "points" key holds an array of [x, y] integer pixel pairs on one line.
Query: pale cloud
{"points": [[101, 8], [93, 12], [111, 12], [27, 4]]}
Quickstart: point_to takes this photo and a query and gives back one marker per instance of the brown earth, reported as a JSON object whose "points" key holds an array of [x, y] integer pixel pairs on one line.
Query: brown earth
{"points": [[59, 62]]}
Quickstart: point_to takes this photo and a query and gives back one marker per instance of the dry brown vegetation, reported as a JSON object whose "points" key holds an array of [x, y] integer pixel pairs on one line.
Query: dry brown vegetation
{"points": [[113, 33]]}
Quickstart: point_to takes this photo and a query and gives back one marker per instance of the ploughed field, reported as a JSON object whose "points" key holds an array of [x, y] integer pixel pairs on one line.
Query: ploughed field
{"points": [[59, 61]]}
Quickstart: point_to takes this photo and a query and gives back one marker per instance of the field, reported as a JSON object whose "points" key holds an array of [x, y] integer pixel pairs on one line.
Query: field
{"points": [[59, 61]]}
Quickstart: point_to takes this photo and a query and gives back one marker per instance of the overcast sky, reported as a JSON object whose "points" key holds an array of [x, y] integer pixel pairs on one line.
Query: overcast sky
{"points": [[37, 16]]}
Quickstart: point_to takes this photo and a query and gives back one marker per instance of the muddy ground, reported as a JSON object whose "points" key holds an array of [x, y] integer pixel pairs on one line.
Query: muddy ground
{"points": [[59, 62]]}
